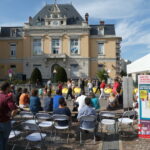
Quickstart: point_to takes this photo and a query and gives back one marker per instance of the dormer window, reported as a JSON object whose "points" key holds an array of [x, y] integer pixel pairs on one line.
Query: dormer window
{"points": [[13, 32], [101, 30]]}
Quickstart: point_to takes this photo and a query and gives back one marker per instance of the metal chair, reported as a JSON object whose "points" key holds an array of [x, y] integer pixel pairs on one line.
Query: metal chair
{"points": [[26, 114], [36, 136], [127, 120], [44, 120], [88, 123], [61, 122], [108, 119]]}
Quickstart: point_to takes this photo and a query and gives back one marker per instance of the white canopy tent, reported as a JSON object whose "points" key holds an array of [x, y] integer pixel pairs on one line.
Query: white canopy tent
{"points": [[140, 65]]}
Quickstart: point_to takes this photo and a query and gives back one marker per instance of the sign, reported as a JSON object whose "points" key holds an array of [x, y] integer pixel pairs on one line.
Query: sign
{"points": [[144, 106]]}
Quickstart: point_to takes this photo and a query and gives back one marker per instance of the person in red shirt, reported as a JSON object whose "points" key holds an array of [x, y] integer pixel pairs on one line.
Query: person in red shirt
{"points": [[7, 110], [102, 87], [116, 85]]}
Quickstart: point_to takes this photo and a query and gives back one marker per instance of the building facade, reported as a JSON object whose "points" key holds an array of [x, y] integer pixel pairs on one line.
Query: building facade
{"points": [[58, 35]]}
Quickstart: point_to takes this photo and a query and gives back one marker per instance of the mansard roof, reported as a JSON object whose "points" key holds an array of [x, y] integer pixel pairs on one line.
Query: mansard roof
{"points": [[67, 10], [6, 31], [109, 29]]}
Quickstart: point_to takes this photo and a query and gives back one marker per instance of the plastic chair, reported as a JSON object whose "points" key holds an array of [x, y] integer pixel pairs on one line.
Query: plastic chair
{"points": [[108, 119], [36, 136], [59, 123], [88, 123], [127, 120]]}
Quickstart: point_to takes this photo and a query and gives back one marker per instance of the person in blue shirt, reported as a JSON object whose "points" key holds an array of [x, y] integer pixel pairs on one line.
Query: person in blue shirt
{"points": [[35, 104], [63, 110], [48, 102], [94, 101], [56, 99]]}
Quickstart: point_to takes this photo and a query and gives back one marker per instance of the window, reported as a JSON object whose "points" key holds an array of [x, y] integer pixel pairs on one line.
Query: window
{"points": [[13, 49], [100, 67], [74, 70], [13, 32], [74, 46], [37, 48], [101, 30], [55, 46], [13, 67], [100, 48]]}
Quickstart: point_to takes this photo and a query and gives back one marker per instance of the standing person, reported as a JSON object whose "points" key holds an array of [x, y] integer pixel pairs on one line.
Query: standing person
{"points": [[35, 104], [82, 85], [56, 99], [7, 109], [69, 85], [81, 100], [102, 86], [18, 94], [98, 83], [49, 84], [90, 86], [116, 85], [60, 86]]}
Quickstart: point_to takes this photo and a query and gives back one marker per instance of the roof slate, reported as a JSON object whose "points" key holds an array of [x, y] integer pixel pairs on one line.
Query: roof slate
{"points": [[6, 31], [72, 15], [109, 29]]}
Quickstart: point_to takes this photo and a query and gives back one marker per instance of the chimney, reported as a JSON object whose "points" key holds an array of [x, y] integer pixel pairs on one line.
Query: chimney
{"points": [[87, 18], [30, 20], [102, 22]]}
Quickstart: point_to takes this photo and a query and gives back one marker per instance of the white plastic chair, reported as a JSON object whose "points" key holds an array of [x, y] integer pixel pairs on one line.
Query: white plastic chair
{"points": [[36, 136], [127, 120], [88, 123], [59, 119]]}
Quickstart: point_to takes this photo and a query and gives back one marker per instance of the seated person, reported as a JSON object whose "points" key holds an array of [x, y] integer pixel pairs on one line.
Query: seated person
{"points": [[24, 99], [88, 110], [94, 101], [112, 102], [35, 104], [62, 110], [56, 99], [48, 102]]}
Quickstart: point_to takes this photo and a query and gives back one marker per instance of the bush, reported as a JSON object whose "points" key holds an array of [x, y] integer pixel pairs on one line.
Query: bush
{"points": [[36, 76], [60, 74], [102, 75]]}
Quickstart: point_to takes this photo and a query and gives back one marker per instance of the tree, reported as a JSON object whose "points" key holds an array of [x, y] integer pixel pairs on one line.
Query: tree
{"points": [[102, 75], [36, 76], [60, 74]]}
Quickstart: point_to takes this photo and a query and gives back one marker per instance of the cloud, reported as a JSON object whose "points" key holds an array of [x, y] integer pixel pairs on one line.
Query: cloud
{"points": [[134, 32], [110, 9]]}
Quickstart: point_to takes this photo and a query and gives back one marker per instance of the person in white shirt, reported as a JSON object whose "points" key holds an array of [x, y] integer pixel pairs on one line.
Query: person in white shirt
{"points": [[81, 100], [90, 86]]}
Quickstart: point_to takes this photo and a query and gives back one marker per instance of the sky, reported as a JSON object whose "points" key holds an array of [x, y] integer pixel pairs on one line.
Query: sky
{"points": [[131, 19]]}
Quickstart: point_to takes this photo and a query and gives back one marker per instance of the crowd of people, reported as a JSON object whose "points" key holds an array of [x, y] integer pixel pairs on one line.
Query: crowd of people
{"points": [[84, 103]]}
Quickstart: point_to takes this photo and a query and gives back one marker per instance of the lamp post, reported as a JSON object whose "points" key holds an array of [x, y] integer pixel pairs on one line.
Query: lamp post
{"points": [[54, 75]]}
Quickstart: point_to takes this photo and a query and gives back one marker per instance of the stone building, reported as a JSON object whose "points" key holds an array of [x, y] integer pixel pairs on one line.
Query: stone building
{"points": [[58, 35]]}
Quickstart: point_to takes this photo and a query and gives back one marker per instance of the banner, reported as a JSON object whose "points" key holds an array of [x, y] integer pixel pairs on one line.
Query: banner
{"points": [[144, 106]]}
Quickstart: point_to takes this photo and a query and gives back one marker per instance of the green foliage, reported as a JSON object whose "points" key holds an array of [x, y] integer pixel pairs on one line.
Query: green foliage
{"points": [[36, 76], [123, 73], [102, 75], [60, 74]]}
